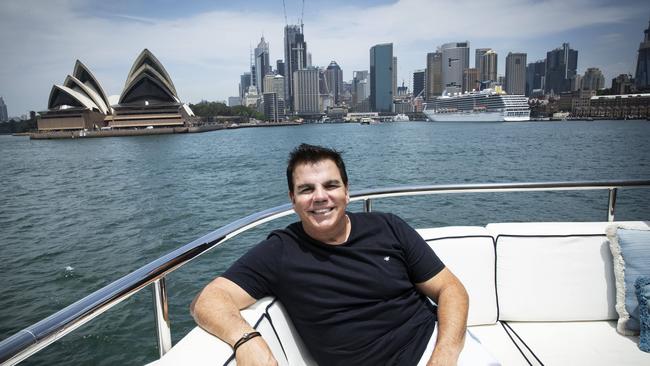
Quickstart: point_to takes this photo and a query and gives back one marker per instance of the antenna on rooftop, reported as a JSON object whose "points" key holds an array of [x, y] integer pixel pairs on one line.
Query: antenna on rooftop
{"points": [[302, 14]]}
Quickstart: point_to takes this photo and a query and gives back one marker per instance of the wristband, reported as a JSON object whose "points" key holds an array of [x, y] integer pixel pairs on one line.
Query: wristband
{"points": [[245, 338]]}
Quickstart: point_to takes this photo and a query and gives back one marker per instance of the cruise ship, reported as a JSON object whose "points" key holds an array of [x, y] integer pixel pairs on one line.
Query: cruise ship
{"points": [[488, 105]]}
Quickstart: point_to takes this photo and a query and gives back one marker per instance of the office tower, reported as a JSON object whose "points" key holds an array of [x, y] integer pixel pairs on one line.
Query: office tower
{"points": [[244, 83], [561, 65], [434, 75], [642, 76], [262, 65], [325, 100], [253, 76], [360, 88], [3, 111], [279, 66], [470, 80], [382, 77], [478, 57], [419, 82], [535, 72], [576, 82], [623, 84], [295, 58], [593, 79], [306, 86], [394, 76], [516, 73], [273, 106], [488, 70], [334, 76], [455, 59], [309, 64], [274, 84]]}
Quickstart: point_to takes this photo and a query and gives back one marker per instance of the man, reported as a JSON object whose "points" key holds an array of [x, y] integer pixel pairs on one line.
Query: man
{"points": [[354, 284]]}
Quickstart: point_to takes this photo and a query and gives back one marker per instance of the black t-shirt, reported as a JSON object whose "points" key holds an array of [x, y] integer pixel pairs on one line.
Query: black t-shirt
{"points": [[354, 303]]}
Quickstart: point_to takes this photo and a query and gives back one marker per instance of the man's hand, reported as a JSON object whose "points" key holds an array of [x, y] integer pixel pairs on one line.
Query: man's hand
{"points": [[443, 357], [255, 353]]}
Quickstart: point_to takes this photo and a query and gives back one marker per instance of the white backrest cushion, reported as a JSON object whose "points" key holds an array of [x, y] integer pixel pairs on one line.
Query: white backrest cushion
{"points": [[468, 252], [294, 349], [554, 271]]}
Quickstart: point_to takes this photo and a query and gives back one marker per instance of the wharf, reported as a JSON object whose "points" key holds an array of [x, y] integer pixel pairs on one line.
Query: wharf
{"points": [[148, 131]]}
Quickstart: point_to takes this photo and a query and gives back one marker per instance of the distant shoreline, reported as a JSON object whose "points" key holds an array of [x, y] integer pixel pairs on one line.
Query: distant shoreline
{"points": [[57, 135]]}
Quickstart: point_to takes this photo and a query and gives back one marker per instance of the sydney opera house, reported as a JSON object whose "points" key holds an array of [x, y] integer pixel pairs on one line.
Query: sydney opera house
{"points": [[149, 99]]}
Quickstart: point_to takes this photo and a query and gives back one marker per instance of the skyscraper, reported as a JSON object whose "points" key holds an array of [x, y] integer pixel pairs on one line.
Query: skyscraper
{"points": [[419, 81], [535, 73], [488, 69], [516, 73], [381, 77], [561, 65], [470, 80], [360, 90], [262, 65], [306, 86], [3, 111], [455, 59], [334, 76], [434, 75], [478, 60], [295, 58], [274, 84], [279, 66], [642, 76], [244, 83], [394, 75], [593, 79]]}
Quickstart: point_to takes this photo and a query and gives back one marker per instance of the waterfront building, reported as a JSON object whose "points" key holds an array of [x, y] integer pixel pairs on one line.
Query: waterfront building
{"points": [[79, 103], [516, 73], [623, 84], [3, 111], [234, 101], [419, 82], [561, 65], [620, 106], [402, 106], [306, 86], [642, 76], [434, 75], [488, 69], [279, 67], [295, 58], [471, 80], [149, 97], [334, 76], [273, 106], [262, 65], [394, 76], [455, 59], [244, 83], [535, 72], [593, 79], [381, 77], [360, 90]]}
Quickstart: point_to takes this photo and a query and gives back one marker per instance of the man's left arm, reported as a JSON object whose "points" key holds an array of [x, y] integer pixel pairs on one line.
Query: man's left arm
{"points": [[450, 295]]}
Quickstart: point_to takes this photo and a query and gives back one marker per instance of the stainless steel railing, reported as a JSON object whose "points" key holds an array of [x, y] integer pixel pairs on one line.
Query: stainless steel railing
{"points": [[38, 336]]}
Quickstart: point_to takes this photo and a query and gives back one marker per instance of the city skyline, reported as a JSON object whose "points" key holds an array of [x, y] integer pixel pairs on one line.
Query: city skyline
{"points": [[206, 46]]}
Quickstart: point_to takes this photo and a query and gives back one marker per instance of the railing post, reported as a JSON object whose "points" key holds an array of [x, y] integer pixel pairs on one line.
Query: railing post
{"points": [[612, 205], [161, 314], [367, 205]]}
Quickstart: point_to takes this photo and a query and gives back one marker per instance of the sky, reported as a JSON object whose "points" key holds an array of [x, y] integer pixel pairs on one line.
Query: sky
{"points": [[205, 45]]}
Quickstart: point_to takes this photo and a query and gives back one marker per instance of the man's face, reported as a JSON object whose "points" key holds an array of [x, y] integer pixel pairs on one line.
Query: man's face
{"points": [[319, 197]]}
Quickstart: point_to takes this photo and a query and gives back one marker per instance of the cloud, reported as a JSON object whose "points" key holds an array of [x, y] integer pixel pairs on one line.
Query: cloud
{"points": [[206, 52]]}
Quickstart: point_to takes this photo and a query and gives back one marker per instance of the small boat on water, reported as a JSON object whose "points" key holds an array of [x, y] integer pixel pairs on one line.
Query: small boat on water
{"points": [[540, 292], [400, 118], [368, 121]]}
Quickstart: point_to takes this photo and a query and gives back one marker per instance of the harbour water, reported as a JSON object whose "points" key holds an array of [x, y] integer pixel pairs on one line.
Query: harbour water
{"points": [[77, 214]]}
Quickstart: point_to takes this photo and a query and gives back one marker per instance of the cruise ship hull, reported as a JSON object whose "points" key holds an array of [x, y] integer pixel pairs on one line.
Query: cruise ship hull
{"points": [[473, 117]]}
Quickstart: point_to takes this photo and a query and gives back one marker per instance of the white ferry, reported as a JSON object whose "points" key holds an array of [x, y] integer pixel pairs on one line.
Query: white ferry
{"points": [[488, 105]]}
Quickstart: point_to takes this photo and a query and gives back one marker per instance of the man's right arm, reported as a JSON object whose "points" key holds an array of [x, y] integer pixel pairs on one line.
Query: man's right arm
{"points": [[216, 310]]}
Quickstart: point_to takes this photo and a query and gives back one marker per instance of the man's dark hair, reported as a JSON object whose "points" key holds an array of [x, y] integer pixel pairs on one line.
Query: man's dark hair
{"points": [[312, 154]]}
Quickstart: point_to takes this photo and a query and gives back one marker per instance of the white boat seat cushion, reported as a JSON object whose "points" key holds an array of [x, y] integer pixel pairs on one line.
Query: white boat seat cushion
{"points": [[554, 271], [468, 251]]}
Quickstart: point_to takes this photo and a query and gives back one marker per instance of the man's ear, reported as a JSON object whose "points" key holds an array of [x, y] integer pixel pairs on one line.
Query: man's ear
{"points": [[291, 196]]}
